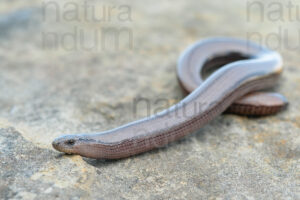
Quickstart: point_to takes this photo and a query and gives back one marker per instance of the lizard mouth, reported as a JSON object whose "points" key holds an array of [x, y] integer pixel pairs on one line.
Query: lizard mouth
{"points": [[64, 144]]}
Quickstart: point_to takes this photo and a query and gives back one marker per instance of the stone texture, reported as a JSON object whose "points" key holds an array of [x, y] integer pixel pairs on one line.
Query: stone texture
{"points": [[47, 91]]}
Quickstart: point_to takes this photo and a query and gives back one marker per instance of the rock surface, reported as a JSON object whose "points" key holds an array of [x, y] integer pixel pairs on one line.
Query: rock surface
{"points": [[50, 88]]}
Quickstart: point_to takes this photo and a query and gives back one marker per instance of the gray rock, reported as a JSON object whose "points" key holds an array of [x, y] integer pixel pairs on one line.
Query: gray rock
{"points": [[19, 19], [51, 86]]}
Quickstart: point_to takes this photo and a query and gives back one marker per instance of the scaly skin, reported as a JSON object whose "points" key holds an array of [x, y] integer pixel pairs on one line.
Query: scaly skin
{"points": [[247, 68]]}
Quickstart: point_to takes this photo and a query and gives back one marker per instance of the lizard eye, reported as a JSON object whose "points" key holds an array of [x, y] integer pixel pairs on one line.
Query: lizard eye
{"points": [[70, 142]]}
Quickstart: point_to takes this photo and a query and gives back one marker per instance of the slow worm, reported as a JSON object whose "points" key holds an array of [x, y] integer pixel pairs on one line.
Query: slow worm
{"points": [[242, 67]]}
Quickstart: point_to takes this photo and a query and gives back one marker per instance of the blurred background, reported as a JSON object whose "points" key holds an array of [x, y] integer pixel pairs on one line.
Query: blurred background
{"points": [[69, 66]]}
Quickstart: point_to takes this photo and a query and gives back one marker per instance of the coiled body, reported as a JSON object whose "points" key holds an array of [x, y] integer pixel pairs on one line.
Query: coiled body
{"points": [[251, 68]]}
